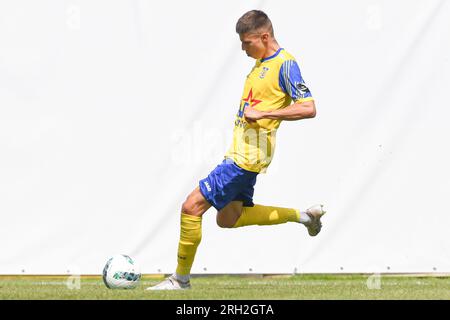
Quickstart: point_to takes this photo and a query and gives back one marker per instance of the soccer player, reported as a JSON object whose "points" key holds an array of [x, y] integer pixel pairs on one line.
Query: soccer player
{"points": [[270, 88]]}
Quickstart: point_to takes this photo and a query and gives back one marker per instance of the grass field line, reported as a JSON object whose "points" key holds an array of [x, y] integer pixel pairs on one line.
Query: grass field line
{"points": [[244, 275]]}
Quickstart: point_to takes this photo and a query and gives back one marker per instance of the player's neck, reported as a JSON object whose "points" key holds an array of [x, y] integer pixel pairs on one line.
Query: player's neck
{"points": [[271, 49]]}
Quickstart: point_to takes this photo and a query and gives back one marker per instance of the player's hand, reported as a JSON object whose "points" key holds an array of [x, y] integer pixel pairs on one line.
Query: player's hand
{"points": [[251, 114]]}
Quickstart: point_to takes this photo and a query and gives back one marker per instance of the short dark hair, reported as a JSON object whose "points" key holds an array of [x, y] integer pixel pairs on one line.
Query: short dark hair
{"points": [[252, 21]]}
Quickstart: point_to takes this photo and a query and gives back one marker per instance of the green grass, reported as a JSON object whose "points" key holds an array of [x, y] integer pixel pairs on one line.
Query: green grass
{"points": [[235, 287]]}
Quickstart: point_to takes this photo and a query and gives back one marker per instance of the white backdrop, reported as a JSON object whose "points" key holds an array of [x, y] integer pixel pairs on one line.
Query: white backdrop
{"points": [[111, 111]]}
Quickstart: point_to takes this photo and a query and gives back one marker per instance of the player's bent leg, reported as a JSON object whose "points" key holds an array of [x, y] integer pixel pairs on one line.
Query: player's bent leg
{"points": [[268, 215], [190, 236]]}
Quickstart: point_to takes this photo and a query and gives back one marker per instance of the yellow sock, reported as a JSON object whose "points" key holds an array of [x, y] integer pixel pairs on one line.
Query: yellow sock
{"points": [[266, 215], [190, 237]]}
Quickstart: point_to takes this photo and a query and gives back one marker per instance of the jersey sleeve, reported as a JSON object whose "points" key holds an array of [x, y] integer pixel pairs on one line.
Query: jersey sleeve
{"points": [[292, 83]]}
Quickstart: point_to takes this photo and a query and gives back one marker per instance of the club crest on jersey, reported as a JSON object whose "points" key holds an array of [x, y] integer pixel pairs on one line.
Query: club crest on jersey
{"points": [[263, 72]]}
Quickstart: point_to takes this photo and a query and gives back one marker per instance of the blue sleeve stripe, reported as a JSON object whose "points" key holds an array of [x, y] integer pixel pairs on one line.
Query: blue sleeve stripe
{"points": [[281, 79]]}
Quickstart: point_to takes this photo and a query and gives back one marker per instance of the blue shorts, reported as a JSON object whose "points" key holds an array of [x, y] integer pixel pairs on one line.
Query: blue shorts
{"points": [[228, 182]]}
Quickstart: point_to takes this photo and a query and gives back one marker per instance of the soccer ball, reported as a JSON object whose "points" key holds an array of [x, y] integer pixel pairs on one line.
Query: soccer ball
{"points": [[121, 272]]}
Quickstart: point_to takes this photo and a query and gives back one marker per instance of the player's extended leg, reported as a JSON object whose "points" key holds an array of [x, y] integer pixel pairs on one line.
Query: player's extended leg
{"points": [[236, 215], [190, 236]]}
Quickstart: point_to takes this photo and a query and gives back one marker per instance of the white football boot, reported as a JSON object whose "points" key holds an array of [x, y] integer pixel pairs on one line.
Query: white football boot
{"points": [[171, 283], [314, 213]]}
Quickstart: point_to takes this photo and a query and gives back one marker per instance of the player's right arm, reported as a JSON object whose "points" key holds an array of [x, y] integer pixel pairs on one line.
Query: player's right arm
{"points": [[297, 111]]}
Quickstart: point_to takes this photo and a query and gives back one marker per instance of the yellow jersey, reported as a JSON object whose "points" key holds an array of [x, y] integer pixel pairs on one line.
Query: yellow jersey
{"points": [[273, 83]]}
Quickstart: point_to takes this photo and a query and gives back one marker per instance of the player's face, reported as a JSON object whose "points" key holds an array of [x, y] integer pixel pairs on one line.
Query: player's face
{"points": [[254, 44]]}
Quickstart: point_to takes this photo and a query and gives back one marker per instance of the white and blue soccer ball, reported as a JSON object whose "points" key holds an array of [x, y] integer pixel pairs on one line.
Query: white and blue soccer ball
{"points": [[121, 272]]}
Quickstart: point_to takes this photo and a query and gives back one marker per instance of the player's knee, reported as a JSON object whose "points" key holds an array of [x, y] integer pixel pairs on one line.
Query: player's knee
{"points": [[195, 204], [192, 207], [188, 207], [226, 220], [223, 223]]}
